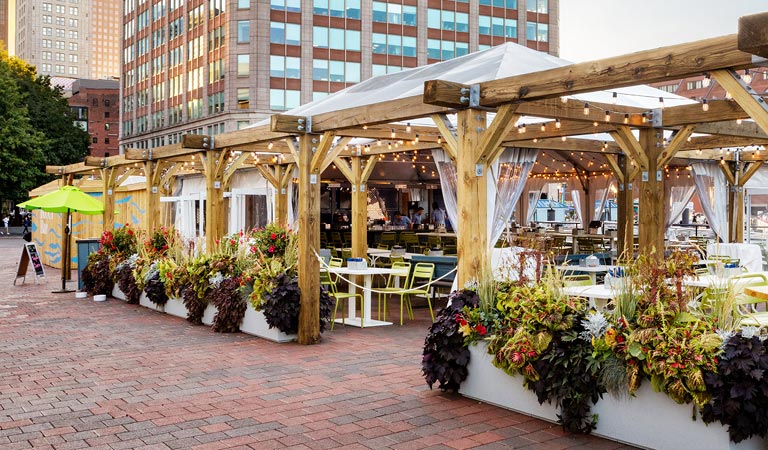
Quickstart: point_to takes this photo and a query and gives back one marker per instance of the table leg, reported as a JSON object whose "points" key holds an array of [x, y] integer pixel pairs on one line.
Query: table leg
{"points": [[593, 277], [351, 303], [366, 306]]}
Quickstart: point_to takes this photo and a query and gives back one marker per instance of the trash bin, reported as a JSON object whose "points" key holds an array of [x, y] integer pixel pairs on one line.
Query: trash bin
{"points": [[84, 249]]}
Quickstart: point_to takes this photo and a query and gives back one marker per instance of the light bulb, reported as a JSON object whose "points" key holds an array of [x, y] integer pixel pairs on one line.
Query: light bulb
{"points": [[416, 139], [543, 127], [728, 95], [270, 145], [392, 133], [626, 118], [607, 116], [614, 98], [738, 121], [645, 117], [408, 127], [557, 123], [586, 109], [439, 140], [564, 99], [563, 138], [661, 102], [704, 105], [706, 81], [747, 76]]}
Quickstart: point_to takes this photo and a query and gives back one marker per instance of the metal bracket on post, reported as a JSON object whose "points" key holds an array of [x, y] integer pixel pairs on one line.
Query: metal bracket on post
{"points": [[208, 142], [304, 124], [149, 154], [656, 117], [470, 95]]}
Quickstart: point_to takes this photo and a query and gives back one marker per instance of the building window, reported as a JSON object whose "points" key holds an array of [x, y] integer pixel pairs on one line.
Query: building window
{"points": [[95, 101], [243, 98], [106, 126], [285, 33], [243, 4], [243, 65], [95, 140], [242, 124], [284, 66], [106, 102], [243, 31], [535, 31], [337, 8], [281, 100], [537, 6], [106, 140], [336, 38], [106, 114], [286, 5]]}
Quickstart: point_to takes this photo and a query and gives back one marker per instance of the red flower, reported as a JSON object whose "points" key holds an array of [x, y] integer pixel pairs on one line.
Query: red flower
{"points": [[271, 249], [480, 328], [273, 236], [462, 321]]}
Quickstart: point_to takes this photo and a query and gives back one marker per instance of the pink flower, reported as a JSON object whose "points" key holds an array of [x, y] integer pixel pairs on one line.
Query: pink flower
{"points": [[271, 249]]}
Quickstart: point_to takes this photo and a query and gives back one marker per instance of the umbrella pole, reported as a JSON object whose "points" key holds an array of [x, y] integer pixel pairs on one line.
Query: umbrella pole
{"points": [[65, 258]]}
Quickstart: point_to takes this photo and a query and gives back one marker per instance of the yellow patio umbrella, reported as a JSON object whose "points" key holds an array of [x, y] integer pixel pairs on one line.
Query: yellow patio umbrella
{"points": [[67, 199]]}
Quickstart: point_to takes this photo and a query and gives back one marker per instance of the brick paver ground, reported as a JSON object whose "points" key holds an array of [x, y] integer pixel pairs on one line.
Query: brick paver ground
{"points": [[78, 374]]}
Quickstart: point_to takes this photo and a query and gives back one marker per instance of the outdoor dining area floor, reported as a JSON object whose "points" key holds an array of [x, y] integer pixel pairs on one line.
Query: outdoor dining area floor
{"points": [[80, 374]]}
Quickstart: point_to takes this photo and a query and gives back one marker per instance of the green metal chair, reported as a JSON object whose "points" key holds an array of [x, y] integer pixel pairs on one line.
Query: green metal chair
{"points": [[577, 280], [419, 284], [745, 306], [402, 270], [327, 281]]}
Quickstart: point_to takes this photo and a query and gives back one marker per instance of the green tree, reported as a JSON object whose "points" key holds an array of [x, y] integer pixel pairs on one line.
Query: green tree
{"points": [[53, 136], [20, 143]]}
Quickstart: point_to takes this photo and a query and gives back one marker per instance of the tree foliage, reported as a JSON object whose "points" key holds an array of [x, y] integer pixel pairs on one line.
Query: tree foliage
{"points": [[36, 129]]}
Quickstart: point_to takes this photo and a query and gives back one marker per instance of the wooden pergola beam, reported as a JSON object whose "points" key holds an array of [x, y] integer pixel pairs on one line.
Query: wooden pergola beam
{"points": [[498, 129], [650, 66], [732, 128], [753, 103], [678, 139], [753, 34], [627, 141], [447, 132]]}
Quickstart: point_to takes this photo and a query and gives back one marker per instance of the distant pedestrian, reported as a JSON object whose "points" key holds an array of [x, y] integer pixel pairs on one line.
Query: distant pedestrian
{"points": [[27, 223], [6, 219]]}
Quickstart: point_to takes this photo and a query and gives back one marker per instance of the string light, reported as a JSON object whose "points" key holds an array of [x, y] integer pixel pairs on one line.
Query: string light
{"points": [[439, 140], [626, 118], [738, 121], [586, 109], [416, 139], [607, 116], [543, 127], [392, 133], [661, 102], [270, 145], [644, 117], [747, 76], [614, 98], [365, 127], [704, 105], [563, 138], [408, 127], [706, 81], [728, 95], [563, 99], [557, 124]]}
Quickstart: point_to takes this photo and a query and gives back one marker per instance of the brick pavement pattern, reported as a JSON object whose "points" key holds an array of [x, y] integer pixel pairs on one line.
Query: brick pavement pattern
{"points": [[79, 374]]}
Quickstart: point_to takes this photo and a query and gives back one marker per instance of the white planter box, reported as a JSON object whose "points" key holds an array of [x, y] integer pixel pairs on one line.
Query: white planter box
{"points": [[254, 323], [117, 293], [209, 314], [175, 307], [144, 301], [650, 419]]}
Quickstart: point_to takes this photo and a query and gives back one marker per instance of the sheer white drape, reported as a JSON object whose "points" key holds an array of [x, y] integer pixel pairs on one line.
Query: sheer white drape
{"points": [[534, 187], [447, 172], [599, 188], [508, 179], [576, 200], [679, 196], [712, 190]]}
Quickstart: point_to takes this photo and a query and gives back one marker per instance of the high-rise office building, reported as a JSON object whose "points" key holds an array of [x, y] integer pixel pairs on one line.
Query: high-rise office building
{"points": [[218, 65], [76, 38], [7, 25]]}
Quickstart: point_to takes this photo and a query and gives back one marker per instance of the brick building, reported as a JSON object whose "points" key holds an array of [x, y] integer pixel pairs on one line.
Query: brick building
{"points": [[96, 105]]}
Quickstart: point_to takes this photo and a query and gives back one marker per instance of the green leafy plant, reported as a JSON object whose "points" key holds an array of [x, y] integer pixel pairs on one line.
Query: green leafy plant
{"points": [[445, 356], [121, 242], [225, 295], [154, 287], [126, 282], [97, 275], [194, 304], [281, 305], [738, 386]]}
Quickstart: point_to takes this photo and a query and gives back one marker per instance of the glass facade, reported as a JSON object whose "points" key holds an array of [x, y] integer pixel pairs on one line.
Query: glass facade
{"points": [[173, 50]]}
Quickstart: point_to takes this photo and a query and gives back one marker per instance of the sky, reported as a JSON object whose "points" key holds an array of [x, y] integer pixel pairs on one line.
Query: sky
{"points": [[595, 29]]}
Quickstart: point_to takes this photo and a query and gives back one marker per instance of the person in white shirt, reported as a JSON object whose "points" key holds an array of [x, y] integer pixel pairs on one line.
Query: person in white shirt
{"points": [[6, 219], [437, 216]]}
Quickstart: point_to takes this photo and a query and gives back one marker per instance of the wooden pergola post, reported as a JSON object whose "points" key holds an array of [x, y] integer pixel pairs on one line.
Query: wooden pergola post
{"points": [[153, 196], [737, 176], [280, 177], [652, 195], [214, 163], [625, 175], [108, 197], [309, 241], [358, 175]]}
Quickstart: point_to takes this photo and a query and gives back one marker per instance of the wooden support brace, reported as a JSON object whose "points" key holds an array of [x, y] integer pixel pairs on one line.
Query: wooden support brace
{"points": [[613, 163], [679, 138], [369, 165], [321, 151], [631, 147], [236, 164], [727, 172], [287, 176], [499, 128], [751, 170], [268, 175], [292, 144], [345, 169], [448, 135], [753, 103], [335, 151]]}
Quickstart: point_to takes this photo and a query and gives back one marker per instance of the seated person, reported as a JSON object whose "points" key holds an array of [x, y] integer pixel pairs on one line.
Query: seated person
{"points": [[418, 216], [401, 221]]}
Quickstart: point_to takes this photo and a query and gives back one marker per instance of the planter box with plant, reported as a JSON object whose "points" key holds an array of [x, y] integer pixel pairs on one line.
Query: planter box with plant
{"points": [[661, 354]]}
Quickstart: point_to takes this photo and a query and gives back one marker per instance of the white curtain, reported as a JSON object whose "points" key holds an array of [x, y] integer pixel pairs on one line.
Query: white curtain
{"points": [[535, 187], [599, 188], [679, 196], [576, 200], [447, 172], [713, 194], [508, 179]]}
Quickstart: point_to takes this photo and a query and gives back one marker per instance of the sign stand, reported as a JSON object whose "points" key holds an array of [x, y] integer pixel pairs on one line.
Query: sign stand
{"points": [[29, 253]]}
